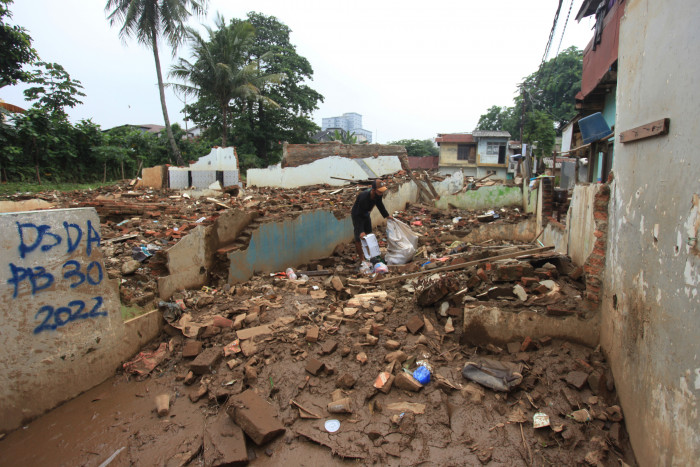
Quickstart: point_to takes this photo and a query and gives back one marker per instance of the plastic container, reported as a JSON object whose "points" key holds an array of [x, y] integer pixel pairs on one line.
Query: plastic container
{"points": [[290, 274], [422, 375], [370, 246], [593, 128]]}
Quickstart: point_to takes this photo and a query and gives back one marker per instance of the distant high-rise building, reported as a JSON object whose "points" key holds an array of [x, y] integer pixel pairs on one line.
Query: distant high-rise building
{"points": [[351, 122]]}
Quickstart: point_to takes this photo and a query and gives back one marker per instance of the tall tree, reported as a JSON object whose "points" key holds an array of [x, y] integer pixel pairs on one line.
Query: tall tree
{"points": [[53, 89], [264, 127], [222, 70], [16, 49], [500, 118], [150, 20]]}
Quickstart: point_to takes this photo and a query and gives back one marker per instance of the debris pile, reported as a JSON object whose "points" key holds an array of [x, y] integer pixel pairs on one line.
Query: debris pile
{"points": [[372, 367]]}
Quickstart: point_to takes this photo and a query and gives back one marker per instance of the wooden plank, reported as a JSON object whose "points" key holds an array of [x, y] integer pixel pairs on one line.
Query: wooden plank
{"points": [[430, 185], [466, 265], [657, 128]]}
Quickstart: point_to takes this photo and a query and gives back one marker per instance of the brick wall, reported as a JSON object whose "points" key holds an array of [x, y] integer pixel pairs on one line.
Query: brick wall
{"points": [[595, 264]]}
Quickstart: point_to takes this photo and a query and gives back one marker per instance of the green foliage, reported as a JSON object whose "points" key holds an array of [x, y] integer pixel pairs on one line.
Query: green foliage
{"points": [[418, 147], [278, 110], [548, 96], [222, 70], [53, 88], [344, 137], [500, 119], [539, 131], [16, 50]]}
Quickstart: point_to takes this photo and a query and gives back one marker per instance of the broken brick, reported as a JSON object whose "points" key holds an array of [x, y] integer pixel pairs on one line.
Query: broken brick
{"points": [[415, 324], [362, 358], [392, 345], [224, 443], [405, 381], [328, 347], [314, 366], [255, 416], [577, 379], [222, 322], [345, 381], [206, 361], [396, 356], [384, 382], [527, 344], [248, 348], [312, 334], [191, 349], [337, 283]]}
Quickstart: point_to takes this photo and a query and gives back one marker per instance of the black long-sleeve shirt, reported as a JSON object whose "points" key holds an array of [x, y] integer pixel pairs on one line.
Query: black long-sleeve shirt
{"points": [[365, 203]]}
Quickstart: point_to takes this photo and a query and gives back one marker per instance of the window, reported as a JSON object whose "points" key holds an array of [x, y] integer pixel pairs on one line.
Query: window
{"points": [[462, 152], [492, 149]]}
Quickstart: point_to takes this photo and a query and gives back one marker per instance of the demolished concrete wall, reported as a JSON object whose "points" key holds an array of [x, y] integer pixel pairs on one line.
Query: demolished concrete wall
{"points": [[486, 197], [275, 246], [191, 259], [323, 170], [221, 165], [62, 328], [651, 295]]}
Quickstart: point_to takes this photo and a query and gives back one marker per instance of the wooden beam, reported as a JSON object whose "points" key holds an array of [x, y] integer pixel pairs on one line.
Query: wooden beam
{"points": [[657, 128], [407, 168], [430, 185], [466, 265]]}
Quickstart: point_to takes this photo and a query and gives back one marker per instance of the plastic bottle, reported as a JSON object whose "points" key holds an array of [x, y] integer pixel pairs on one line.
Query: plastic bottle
{"points": [[290, 274]]}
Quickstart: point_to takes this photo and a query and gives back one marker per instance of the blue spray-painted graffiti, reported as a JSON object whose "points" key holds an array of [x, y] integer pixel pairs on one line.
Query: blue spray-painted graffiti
{"points": [[40, 239]]}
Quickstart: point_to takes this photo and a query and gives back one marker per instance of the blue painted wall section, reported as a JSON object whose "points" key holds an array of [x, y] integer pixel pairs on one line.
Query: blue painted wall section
{"points": [[277, 246]]}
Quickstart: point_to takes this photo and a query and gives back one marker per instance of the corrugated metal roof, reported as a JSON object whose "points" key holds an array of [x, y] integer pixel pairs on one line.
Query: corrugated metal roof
{"points": [[490, 134], [455, 138]]}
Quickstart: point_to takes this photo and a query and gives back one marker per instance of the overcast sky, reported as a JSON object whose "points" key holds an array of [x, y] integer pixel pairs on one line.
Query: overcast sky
{"points": [[412, 69]]}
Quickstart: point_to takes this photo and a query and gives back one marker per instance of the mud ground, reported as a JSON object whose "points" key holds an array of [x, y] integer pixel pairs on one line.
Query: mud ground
{"points": [[449, 421]]}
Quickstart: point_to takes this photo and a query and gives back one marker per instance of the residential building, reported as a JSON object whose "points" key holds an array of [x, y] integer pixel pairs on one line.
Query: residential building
{"points": [[351, 122], [477, 154]]}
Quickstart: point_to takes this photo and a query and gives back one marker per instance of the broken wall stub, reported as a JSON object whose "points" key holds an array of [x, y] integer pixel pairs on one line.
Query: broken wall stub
{"points": [[220, 164], [62, 329], [154, 177], [651, 283], [523, 231], [486, 197], [295, 155], [191, 259], [275, 246]]}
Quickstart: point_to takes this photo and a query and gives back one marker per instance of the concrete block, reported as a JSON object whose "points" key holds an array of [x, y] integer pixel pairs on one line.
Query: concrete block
{"points": [[255, 416], [224, 443], [206, 361], [484, 325], [577, 379], [314, 366], [191, 349], [414, 324], [154, 177], [61, 314], [312, 334]]}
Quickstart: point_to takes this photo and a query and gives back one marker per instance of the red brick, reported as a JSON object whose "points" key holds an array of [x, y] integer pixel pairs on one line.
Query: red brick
{"points": [[407, 382], [255, 416], [222, 322], [600, 215], [598, 233], [526, 345]]}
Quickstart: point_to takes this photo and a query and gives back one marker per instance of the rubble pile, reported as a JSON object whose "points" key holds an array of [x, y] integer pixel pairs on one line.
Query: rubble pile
{"points": [[372, 368]]}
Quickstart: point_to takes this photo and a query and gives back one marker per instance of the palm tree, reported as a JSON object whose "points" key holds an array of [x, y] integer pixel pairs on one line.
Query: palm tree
{"points": [[222, 71], [149, 20]]}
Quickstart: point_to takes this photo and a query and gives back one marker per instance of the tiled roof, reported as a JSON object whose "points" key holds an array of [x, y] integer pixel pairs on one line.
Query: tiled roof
{"points": [[490, 134], [455, 138]]}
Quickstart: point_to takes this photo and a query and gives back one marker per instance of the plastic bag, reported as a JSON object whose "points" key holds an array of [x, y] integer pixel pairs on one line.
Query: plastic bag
{"points": [[380, 268], [402, 242], [494, 374]]}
